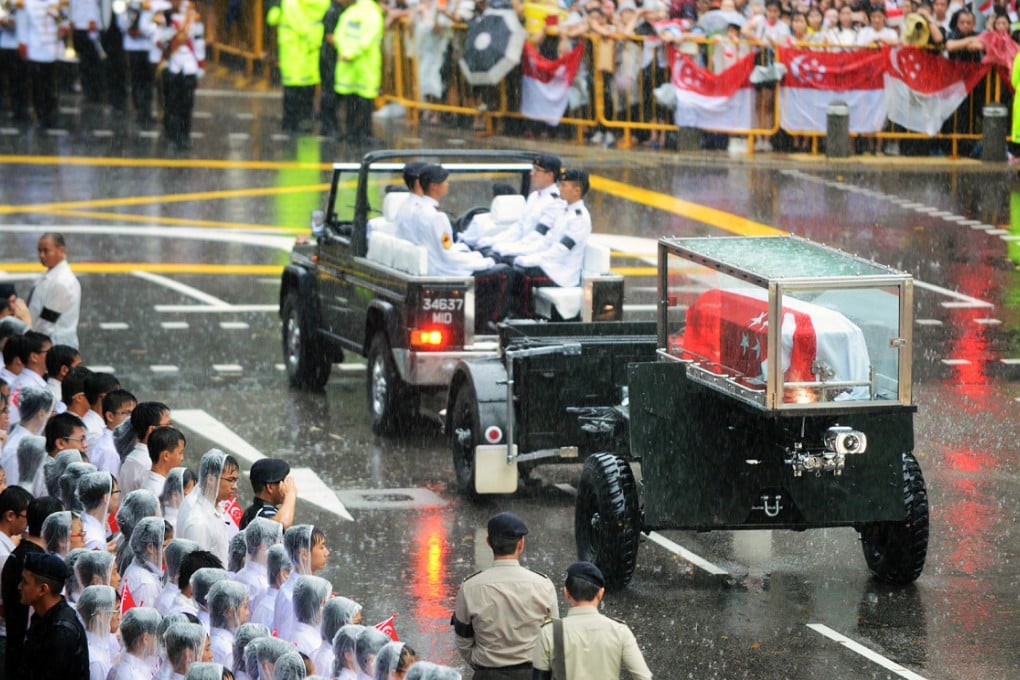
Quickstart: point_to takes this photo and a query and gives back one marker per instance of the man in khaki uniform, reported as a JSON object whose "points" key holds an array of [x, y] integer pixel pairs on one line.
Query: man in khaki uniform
{"points": [[595, 647], [499, 610]]}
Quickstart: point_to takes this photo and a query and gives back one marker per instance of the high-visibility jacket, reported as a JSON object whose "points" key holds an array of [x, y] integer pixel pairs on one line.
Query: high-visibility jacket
{"points": [[359, 50], [1015, 78], [299, 35]]}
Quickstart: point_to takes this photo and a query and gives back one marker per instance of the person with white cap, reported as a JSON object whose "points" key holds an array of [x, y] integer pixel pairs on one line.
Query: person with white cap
{"points": [[31, 458], [336, 613], [35, 404], [96, 607], [237, 553], [61, 533], [268, 652], [228, 609], [138, 628], [68, 484], [345, 652], [594, 646], [134, 507], [172, 495], [260, 535], [95, 568], [205, 670], [142, 577], [278, 570], [499, 610], [310, 593]]}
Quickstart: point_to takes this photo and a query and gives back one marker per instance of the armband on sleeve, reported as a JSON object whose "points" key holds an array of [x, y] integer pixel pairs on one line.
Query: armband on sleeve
{"points": [[568, 242], [50, 315], [464, 630], [542, 229]]}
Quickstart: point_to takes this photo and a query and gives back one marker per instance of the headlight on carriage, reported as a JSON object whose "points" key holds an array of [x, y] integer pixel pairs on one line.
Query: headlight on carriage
{"points": [[845, 440]]}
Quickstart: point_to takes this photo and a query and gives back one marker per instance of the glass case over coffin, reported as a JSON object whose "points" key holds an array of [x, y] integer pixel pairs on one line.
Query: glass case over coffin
{"points": [[844, 336]]}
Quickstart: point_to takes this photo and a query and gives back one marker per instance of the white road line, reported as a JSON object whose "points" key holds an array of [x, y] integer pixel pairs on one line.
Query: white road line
{"points": [[351, 368], [310, 486], [956, 362], [101, 369], [150, 134], [868, 654], [217, 308], [686, 554], [234, 325], [174, 325], [102, 133], [1011, 361], [997, 232], [182, 288], [8, 132], [227, 368], [235, 94], [113, 326], [964, 300], [163, 368], [927, 322], [968, 223], [988, 322], [566, 488], [202, 115]]}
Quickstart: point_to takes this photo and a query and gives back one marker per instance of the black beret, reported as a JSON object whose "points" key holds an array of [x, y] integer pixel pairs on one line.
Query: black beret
{"points": [[588, 572], [507, 525], [549, 163], [47, 565], [269, 471]]}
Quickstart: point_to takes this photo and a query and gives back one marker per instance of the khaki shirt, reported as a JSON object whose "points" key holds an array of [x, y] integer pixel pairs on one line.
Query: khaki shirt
{"points": [[595, 647], [498, 614]]}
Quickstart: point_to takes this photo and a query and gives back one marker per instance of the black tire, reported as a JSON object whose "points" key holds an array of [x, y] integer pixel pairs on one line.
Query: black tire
{"points": [[896, 551], [306, 360], [607, 518], [392, 404], [464, 436]]}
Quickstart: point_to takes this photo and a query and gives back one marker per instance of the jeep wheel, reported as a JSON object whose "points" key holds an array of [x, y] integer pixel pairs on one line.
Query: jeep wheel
{"points": [[392, 404], [607, 519], [306, 360], [464, 436], [895, 551]]}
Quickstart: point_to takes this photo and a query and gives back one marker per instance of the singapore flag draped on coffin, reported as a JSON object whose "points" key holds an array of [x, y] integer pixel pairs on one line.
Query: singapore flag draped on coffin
{"points": [[546, 82], [924, 89], [712, 101], [815, 79]]}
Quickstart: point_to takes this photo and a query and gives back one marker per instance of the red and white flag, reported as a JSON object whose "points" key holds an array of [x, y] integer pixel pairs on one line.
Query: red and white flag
{"points": [[713, 101], [233, 510], [924, 89], [545, 83], [814, 80], [126, 600], [389, 627]]}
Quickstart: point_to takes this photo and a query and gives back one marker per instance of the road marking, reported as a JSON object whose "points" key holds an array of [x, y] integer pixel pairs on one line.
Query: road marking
{"points": [[102, 133], [310, 486], [997, 232], [927, 322], [956, 362], [181, 288], [351, 367], [280, 243], [174, 325], [56, 132], [149, 134], [9, 131], [388, 499], [963, 300], [227, 368], [202, 115], [686, 554], [206, 309], [154, 220], [101, 369], [163, 368], [234, 325], [113, 326], [238, 136], [1011, 361], [868, 654], [206, 163], [988, 322]]}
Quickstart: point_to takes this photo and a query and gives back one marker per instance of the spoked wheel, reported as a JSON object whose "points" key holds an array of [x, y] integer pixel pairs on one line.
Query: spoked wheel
{"points": [[392, 404], [464, 436], [607, 518], [895, 551], [307, 363]]}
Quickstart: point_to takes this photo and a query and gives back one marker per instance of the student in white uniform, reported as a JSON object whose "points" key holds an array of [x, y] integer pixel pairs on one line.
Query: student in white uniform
{"points": [[205, 522], [184, 644], [306, 547], [278, 570], [137, 505], [173, 554], [260, 535], [166, 452], [228, 609], [143, 576], [202, 582], [336, 613], [96, 607], [138, 629], [246, 632], [345, 657], [310, 593], [36, 406], [94, 494], [134, 468], [542, 208], [69, 485], [32, 351]]}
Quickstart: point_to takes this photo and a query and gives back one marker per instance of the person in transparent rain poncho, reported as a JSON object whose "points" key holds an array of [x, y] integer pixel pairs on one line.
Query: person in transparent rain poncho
{"points": [[424, 670], [310, 594], [94, 491], [137, 505], [52, 469], [138, 630], [259, 536], [245, 633], [278, 571], [336, 613], [202, 582], [31, 457], [205, 670], [345, 652], [95, 568], [228, 609], [203, 519], [290, 666], [306, 547], [370, 643], [267, 652], [174, 552], [237, 553], [61, 533], [35, 404], [68, 484], [96, 608], [393, 661], [72, 587], [184, 644], [173, 495], [142, 577]]}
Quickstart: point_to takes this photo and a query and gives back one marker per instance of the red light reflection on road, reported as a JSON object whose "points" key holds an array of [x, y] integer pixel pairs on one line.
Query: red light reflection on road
{"points": [[432, 599]]}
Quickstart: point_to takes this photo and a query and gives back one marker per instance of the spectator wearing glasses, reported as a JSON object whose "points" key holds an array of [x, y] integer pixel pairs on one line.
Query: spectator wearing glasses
{"points": [[201, 518], [65, 431]]}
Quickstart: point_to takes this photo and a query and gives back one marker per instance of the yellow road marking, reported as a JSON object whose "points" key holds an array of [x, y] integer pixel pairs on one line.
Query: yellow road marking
{"points": [[702, 213], [635, 271], [164, 163], [152, 267], [159, 219]]}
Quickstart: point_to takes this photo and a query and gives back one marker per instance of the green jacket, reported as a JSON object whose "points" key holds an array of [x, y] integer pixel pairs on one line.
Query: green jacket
{"points": [[359, 50], [299, 35], [1015, 79]]}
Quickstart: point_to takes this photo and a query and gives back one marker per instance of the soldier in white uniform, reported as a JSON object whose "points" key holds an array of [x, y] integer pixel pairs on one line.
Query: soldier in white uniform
{"points": [[39, 43], [86, 23], [139, 29], [184, 45], [541, 210], [594, 647], [499, 610], [412, 178], [13, 69], [55, 300], [557, 258]]}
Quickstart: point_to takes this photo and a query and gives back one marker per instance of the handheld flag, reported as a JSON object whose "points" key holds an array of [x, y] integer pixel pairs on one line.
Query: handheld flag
{"points": [[126, 600], [233, 509], [389, 628]]}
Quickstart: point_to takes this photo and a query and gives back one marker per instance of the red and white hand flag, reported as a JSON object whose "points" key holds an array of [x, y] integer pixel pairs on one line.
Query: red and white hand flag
{"points": [[388, 626], [233, 510], [126, 600]]}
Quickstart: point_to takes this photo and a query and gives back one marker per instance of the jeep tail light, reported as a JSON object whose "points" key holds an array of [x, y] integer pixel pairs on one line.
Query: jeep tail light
{"points": [[428, 338]]}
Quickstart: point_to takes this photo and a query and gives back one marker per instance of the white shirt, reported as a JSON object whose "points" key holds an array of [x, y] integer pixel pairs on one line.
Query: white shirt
{"points": [[103, 454], [94, 426], [283, 614], [134, 469], [130, 667], [561, 254], [542, 207], [99, 656], [264, 610], [37, 30], [208, 527], [144, 584], [56, 389], [84, 12], [402, 222], [167, 598], [55, 301], [26, 377], [181, 605], [307, 638], [323, 659], [869, 36], [9, 457], [431, 228], [221, 641], [95, 533], [256, 577], [145, 37], [189, 58], [154, 482]]}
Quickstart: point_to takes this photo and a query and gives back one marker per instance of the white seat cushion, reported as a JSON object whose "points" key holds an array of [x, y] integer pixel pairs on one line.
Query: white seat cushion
{"points": [[597, 259], [380, 247], [566, 301], [391, 204], [507, 209]]}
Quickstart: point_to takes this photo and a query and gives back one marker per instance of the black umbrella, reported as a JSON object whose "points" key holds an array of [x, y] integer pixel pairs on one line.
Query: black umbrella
{"points": [[492, 47]]}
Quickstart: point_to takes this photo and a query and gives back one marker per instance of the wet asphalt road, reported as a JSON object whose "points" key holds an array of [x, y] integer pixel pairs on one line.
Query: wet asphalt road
{"points": [[199, 332]]}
